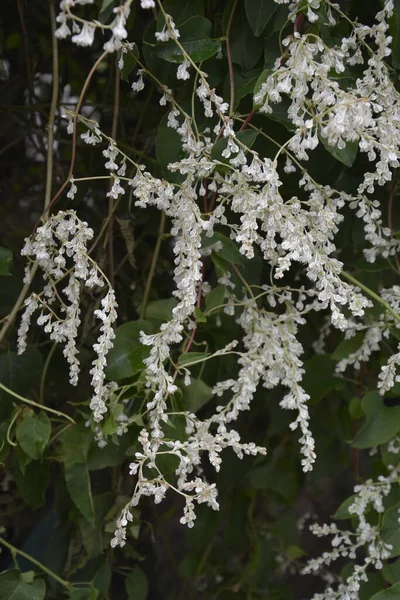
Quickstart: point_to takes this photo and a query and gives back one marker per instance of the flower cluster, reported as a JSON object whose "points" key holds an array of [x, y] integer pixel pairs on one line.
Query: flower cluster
{"points": [[366, 537], [59, 249]]}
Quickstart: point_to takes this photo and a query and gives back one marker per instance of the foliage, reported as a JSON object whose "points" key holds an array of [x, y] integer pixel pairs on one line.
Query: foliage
{"points": [[199, 232]]}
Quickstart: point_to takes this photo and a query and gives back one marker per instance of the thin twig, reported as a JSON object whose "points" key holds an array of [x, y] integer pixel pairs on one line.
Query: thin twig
{"points": [[152, 267], [114, 129], [32, 403], [366, 289], [229, 55], [40, 565], [53, 108]]}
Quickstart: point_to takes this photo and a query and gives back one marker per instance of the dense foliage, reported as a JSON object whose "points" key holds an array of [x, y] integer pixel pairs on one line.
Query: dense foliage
{"points": [[199, 299]]}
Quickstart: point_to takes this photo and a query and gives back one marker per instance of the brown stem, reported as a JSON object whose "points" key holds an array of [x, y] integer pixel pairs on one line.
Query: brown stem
{"points": [[74, 134], [229, 55], [247, 121], [114, 130]]}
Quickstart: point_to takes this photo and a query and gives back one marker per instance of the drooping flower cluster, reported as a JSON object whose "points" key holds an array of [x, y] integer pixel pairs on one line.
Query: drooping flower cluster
{"points": [[59, 249], [365, 537]]}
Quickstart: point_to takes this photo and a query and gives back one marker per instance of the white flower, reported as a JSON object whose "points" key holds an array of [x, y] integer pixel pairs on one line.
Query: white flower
{"points": [[86, 35]]}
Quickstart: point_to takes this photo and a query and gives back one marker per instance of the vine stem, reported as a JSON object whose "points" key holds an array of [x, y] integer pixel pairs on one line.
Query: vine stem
{"points": [[49, 165], [40, 565], [152, 267], [53, 108], [74, 133], [32, 403], [372, 294], [114, 129], [229, 55]]}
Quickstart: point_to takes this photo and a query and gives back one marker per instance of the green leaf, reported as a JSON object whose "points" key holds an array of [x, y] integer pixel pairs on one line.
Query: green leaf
{"points": [[215, 297], [32, 482], [343, 512], [192, 357], [160, 310], [194, 38], [346, 155], [33, 434], [19, 373], [319, 378], [180, 11], [229, 252], [130, 61], [198, 50], [84, 594], [5, 261], [246, 49], [168, 147], [196, 395], [93, 537], [258, 13], [392, 593], [382, 422], [199, 315], [13, 587], [390, 531], [347, 347], [355, 408], [136, 585], [391, 571], [125, 359], [106, 10], [246, 137], [78, 485], [76, 441], [268, 477]]}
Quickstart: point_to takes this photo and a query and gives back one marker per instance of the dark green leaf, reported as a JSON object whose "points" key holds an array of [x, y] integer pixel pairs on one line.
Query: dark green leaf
{"points": [[319, 378], [346, 155], [33, 434], [13, 587], [93, 537], [79, 488], [391, 571], [180, 11], [347, 347], [343, 512], [246, 49], [390, 532], [199, 315], [84, 594], [215, 297], [106, 10], [392, 593], [19, 373], [160, 310], [125, 359], [198, 50], [258, 13], [5, 261], [382, 422], [229, 252], [246, 137], [192, 357], [75, 444], [168, 148], [136, 585], [196, 395], [32, 482]]}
